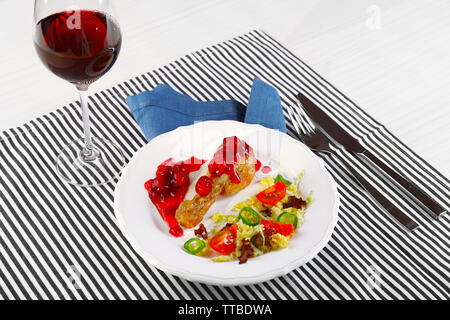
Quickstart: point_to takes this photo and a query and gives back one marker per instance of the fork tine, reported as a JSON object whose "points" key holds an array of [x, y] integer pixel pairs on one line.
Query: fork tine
{"points": [[303, 135], [307, 138], [308, 133], [304, 116]]}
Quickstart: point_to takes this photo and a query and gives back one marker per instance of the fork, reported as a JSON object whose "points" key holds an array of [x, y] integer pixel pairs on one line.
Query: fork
{"points": [[318, 142]]}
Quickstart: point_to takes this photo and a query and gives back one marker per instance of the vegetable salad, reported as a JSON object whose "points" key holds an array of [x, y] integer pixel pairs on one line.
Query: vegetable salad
{"points": [[265, 222]]}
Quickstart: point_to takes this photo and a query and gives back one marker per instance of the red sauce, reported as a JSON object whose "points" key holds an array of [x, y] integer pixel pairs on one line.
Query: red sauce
{"points": [[229, 153], [232, 151], [168, 188], [257, 165], [266, 169]]}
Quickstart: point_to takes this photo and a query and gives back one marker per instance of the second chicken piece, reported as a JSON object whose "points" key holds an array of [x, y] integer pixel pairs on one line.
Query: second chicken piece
{"points": [[231, 170]]}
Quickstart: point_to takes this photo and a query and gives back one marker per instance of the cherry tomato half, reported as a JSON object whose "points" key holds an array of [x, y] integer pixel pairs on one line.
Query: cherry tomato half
{"points": [[272, 194], [224, 241]]}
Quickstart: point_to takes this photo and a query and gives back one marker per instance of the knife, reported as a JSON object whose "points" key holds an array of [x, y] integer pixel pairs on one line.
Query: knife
{"points": [[337, 133]]}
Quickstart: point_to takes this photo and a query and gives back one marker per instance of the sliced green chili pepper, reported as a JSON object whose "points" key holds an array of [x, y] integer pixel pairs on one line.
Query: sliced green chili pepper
{"points": [[249, 216], [279, 177], [194, 245], [287, 217]]}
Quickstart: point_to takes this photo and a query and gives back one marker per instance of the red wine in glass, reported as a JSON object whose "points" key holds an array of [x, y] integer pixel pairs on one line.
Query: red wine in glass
{"points": [[79, 41], [79, 53]]}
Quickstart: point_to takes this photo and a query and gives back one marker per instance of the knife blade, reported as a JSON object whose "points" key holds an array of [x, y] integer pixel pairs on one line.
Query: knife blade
{"points": [[338, 134]]}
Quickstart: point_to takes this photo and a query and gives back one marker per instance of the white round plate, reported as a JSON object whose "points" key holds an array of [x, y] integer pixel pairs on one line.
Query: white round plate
{"points": [[142, 225]]}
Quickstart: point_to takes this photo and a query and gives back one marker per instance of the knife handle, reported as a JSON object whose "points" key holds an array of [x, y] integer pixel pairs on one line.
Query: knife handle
{"points": [[432, 207], [379, 197]]}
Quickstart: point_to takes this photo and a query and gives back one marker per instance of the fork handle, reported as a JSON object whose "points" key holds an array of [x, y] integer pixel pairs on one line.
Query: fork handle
{"points": [[432, 207], [380, 198]]}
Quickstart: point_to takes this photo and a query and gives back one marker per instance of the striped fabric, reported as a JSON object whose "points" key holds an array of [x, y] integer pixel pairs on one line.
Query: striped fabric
{"points": [[58, 241]]}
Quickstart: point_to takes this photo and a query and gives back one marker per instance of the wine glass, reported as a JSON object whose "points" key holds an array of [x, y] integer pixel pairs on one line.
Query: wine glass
{"points": [[79, 41]]}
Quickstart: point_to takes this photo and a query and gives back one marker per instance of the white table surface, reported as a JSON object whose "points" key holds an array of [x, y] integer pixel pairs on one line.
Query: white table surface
{"points": [[392, 57]]}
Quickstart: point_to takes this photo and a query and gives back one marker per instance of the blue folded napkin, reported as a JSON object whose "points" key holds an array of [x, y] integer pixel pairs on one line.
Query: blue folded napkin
{"points": [[164, 109]]}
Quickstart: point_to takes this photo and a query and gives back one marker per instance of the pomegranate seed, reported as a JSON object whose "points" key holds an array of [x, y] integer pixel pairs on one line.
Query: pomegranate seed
{"points": [[160, 184], [165, 171], [180, 179]]}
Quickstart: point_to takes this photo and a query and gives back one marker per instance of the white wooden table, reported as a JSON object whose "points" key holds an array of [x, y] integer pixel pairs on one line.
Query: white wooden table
{"points": [[391, 57]]}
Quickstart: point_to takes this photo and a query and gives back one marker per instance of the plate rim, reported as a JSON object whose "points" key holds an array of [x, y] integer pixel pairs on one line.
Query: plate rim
{"points": [[233, 280]]}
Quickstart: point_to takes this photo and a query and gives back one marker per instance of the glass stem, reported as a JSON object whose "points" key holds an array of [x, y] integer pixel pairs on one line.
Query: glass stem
{"points": [[88, 153]]}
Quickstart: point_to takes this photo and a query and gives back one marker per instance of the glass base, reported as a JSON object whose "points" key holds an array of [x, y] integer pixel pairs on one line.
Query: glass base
{"points": [[90, 168]]}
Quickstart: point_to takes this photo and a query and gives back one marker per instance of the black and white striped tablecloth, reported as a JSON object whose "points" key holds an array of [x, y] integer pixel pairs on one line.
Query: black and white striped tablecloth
{"points": [[58, 241]]}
